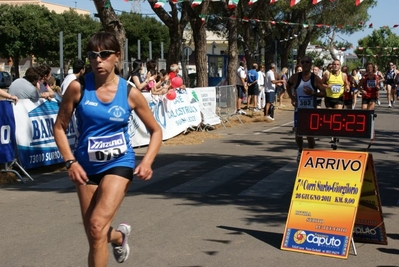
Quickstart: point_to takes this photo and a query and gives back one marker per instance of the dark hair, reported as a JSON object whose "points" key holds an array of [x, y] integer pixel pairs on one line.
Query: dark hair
{"points": [[32, 75], [151, 64], [103, 41], [163, 72], [137, 64], [78, 65], [44, 69]]}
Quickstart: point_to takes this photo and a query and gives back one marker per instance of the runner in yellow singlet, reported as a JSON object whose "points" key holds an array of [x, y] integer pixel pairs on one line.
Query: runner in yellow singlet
{"points": [[336, 82]]}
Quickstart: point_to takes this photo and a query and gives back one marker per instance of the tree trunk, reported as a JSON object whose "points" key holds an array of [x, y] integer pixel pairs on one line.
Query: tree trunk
{"points": [[232, 50], [176, 27], [199, 34], [111, 23], [200, 52], [331, 46]]}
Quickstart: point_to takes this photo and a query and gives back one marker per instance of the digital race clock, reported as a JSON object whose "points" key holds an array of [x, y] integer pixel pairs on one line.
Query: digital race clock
{"points": [[336, 122]]}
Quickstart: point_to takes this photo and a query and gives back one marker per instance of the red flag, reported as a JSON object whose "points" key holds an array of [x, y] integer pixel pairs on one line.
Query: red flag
{"points": [[316, 1], [294, 2], [358, 2], [273, 1]]}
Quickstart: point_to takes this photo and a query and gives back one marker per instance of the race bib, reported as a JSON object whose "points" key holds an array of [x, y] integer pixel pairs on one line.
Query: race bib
{"points": [[105, 148], [305, 102], [336, 88], [371, 83]]}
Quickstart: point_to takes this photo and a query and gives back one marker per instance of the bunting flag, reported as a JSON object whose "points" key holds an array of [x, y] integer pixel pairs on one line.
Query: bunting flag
{"points": [[316, 2], [358, 2], [232, 4], [273, 1], [294, 2], [196, 3], [160, 3], [251, 2]]}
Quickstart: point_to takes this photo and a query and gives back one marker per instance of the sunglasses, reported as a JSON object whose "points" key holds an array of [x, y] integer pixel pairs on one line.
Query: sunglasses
{"points": [[306, 62], [102, 54]]}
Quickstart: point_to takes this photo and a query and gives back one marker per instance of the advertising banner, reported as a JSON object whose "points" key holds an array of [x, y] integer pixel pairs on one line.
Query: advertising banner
{"points": [[34, 132], [324, 202], [174, 116], [206, 98], [369, 224], [7, 132]]}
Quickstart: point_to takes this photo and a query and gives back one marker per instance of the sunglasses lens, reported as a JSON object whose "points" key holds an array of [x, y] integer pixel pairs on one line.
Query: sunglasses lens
{"points": [[91, 55], [102, 54]]}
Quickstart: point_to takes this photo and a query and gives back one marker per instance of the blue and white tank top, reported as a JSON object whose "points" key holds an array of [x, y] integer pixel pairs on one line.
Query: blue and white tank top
{"points": [[102, 138]]}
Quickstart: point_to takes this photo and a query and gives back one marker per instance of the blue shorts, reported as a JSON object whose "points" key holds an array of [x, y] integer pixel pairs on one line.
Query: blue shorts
{"points": [[270, 96], [240, 91]]}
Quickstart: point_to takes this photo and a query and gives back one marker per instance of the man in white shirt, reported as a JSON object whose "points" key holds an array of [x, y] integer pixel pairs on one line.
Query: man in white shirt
{"points": [[241, 86], [270, 90], [261, 82], [78, 68]]}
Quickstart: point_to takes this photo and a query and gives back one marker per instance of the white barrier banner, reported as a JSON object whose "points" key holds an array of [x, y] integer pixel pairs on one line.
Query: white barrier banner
{"points": [[34, 132], [174, 116], [206, 97]]}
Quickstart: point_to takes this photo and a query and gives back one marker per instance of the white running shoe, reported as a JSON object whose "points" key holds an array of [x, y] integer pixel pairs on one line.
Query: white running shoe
{"points": [[121, 253], [241, 112], [269, 118]]}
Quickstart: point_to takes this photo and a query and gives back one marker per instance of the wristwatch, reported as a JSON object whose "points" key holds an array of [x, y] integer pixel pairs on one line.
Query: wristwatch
{"points": [[69, 163]]}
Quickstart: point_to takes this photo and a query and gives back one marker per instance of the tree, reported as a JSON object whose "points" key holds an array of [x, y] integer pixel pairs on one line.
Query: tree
{"points": [[26, 30], [198, 27], [175, 26], [111, 23], [380, 47], [144, 29], [71, 24]]}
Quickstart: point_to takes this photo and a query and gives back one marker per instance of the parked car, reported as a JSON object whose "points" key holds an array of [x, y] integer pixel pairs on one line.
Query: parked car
{"points": [[5, 79]]}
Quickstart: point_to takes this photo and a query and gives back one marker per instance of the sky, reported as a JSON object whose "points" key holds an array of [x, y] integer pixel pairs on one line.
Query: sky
{"points": [[385, 13]]}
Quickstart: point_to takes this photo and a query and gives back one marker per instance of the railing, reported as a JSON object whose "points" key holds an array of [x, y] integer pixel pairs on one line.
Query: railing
{"points": [[226, 103]]}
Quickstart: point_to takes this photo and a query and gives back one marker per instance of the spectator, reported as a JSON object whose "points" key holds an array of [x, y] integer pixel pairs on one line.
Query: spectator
{"points": [[78, 69], [241, 85], [281, 86], [261, 83], [163, 84], [253, 88], [174, 72], [6, 95], [44, 90], [26, 87], [137, 74], [270, 91]]}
